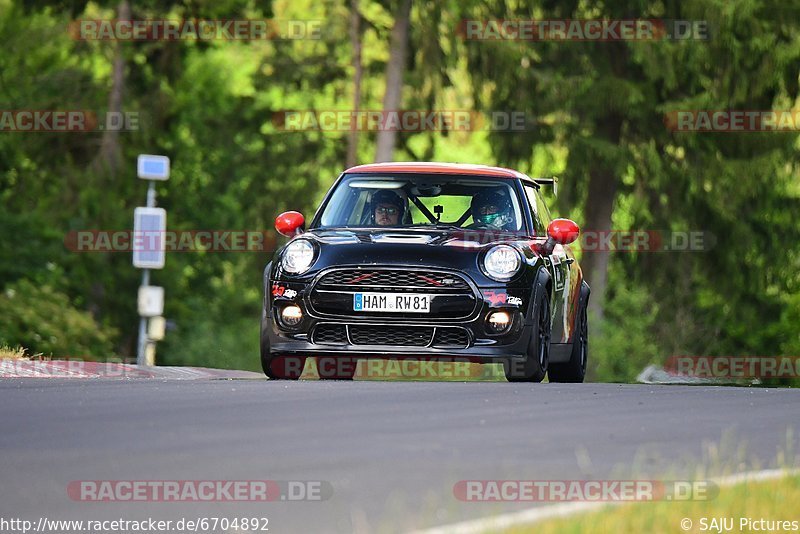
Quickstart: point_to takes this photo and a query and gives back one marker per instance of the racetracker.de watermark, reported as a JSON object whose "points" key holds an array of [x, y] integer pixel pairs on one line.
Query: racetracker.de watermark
{"points": [[583, 30], [584, 490], [606, 240], [419, 120], [59, 120], [645, 241], [733, 367], [148, 524], [69, 367], [170, 241], [195, 30], [733, 121], [402, 368], [199, 490]]}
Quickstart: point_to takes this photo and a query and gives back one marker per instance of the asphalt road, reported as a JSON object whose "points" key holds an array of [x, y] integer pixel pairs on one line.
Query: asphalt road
{"points": [[391, 451]]}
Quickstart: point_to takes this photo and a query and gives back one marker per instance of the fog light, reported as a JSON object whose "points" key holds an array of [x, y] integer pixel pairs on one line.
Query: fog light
{"points": [[499, 321], [291, 315]]}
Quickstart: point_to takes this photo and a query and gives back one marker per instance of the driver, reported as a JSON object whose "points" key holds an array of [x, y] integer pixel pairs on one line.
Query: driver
{"points": [[493, 210], [387, 208]]}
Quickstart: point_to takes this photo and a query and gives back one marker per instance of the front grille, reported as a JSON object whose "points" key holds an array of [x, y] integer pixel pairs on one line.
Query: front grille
{"points": [[373, 278], [333, 294], [406, 336], [330, 334], [451, 337], [401, 336]]}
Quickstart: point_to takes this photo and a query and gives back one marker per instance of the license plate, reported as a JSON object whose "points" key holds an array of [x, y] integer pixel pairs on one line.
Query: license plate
{"points": [[392, 302]]}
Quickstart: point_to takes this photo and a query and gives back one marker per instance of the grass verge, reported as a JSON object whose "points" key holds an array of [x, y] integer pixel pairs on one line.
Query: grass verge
{"points": [[13, 353], [741, 506]]}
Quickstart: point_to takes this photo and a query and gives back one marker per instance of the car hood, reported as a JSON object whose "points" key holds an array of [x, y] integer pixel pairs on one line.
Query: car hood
{"points": [[443, 248], [421, 237]]}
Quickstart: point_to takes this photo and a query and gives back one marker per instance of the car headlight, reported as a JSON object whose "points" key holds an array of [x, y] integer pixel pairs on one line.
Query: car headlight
{"points": [[298, 256], [502, 262]]}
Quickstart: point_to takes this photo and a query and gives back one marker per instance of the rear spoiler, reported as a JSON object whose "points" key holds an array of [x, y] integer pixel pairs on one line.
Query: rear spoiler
{"points": [[553, 181]]}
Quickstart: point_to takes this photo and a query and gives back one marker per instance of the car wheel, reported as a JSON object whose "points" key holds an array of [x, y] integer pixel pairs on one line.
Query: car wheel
{"points": [[575, 369], [333, 368], [534, 368], [283, 366]]}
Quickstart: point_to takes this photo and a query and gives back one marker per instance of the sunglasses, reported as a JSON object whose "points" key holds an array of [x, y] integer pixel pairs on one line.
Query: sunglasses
{"points": [[386, 211]]}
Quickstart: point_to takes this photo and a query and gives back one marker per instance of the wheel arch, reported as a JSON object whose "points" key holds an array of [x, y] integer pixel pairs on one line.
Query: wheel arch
{"points": [[542, 281]]}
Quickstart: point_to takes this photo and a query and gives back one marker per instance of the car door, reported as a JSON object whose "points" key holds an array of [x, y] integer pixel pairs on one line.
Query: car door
{"points": [[559, 263]]}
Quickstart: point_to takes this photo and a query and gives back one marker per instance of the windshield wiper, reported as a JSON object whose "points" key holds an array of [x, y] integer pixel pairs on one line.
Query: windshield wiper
{"points": [[437, 226]]}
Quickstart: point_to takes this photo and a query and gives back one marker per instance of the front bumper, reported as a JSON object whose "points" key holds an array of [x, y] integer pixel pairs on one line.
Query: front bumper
{"points": [[456, 327], [485, 351]]}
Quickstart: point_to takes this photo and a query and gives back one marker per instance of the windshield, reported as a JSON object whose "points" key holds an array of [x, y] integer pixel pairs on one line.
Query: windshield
{"points": [[414, 200]]}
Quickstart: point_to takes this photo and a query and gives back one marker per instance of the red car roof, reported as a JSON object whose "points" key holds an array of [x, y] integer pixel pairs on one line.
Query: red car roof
{"points": [[438, 168]]}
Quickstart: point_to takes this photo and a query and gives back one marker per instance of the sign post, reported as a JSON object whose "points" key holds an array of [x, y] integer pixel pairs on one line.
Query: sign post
{"points": [[149, 226]]}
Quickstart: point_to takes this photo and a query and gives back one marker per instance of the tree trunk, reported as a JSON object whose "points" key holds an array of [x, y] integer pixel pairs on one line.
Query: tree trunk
{"points": [[394, 78], [599, 206], [355, 40], [602, 192], [107, 163], [109, 158]]}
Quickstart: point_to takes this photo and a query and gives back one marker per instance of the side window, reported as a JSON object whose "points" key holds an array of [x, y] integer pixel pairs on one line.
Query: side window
{"points": [[544, 212], [538, 215]]}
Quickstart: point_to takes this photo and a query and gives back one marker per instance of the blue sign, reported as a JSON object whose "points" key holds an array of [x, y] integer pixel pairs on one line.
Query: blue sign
{"points": [[150, 167]]}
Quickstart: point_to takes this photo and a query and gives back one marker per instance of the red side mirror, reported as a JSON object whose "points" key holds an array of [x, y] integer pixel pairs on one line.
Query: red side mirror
{"points": [[289, 222], [563, 231]]}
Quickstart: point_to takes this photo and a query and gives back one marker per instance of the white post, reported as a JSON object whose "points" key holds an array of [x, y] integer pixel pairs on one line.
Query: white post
{"points": [[149, 167], [140, 356], [142, 345]]}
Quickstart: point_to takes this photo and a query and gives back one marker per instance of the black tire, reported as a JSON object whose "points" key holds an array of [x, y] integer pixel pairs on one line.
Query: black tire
{"points": [[534, 368], [574, 370], [282, 366], [333, 368]]}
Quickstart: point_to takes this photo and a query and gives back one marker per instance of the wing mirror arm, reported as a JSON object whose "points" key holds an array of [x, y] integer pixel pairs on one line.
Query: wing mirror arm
{"points": [[548, 246]]}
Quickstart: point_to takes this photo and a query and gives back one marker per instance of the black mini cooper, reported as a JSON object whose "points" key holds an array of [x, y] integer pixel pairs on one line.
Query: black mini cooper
{"points": [[427, 261]]}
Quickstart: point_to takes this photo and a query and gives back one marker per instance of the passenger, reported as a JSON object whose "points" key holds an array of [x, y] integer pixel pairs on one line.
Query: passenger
{"points": [[492, 210]]}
